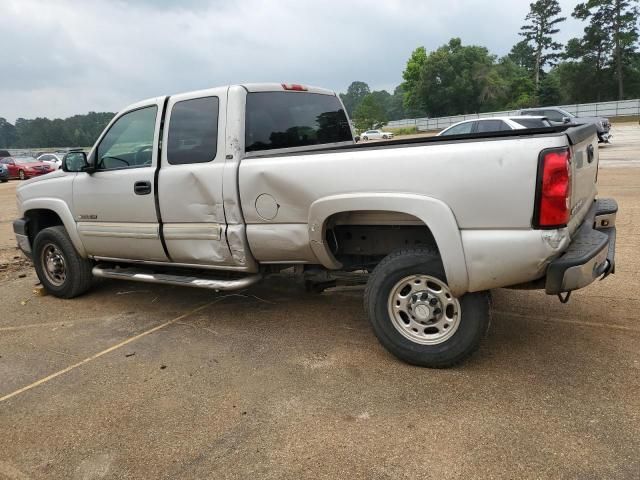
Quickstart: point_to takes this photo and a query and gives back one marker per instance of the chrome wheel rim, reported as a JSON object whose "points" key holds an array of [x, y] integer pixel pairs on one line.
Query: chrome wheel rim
{"points": [[53, 264], [423, 310], [21, 175]]}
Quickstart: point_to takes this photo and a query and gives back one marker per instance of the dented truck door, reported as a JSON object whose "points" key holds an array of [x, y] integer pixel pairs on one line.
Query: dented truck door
{"points": [[190, 179]]}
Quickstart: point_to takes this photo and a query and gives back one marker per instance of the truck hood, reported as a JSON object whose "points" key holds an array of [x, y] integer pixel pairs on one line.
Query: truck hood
{"points": [[585, 120], [44, 178]]}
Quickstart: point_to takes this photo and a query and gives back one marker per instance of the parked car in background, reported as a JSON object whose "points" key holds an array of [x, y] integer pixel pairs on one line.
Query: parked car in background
{"points": [[25, 167], [53, 159], [375, 134], [559, 116], [495, 124], [4, 173]]}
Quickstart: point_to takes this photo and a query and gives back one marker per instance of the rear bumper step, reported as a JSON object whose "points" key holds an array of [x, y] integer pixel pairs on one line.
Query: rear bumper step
{"points": [[149, 276], [591, 253]]}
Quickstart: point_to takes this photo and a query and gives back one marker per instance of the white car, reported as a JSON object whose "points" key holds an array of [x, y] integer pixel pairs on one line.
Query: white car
{"points": [[375, 134], [496, 124], [53, 159]]}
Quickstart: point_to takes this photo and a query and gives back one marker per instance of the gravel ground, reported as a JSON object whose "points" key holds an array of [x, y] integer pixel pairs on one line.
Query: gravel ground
{"points": [[278, 383]]}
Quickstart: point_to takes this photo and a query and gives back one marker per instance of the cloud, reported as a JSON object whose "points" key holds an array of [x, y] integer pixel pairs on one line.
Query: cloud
{"points": [[72, 56]]}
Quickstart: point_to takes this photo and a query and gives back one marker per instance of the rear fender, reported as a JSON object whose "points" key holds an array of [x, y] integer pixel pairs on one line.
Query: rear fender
{"points": [[435, 214]]}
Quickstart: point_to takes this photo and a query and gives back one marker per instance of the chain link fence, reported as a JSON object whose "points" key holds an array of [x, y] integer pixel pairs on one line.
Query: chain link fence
{"points": [[623, 108]]}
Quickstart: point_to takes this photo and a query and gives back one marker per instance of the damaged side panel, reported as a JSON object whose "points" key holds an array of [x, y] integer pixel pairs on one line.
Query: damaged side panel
{"points": [[495, 258], [191, 202]]}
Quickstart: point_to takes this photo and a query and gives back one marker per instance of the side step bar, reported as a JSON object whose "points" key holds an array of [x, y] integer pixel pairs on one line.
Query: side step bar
{"points": [[141, 275]]}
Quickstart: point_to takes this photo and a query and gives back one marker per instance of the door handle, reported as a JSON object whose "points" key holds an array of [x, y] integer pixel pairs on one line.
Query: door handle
{"points": [[142, 188]]}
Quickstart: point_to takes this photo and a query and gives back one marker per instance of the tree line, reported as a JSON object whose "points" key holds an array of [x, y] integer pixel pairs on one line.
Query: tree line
{"points": [[601, 65], [76, 131]]}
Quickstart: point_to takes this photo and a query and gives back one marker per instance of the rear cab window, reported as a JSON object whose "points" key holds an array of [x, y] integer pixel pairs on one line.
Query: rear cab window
{"points": [[193, 131], [277, 120]]}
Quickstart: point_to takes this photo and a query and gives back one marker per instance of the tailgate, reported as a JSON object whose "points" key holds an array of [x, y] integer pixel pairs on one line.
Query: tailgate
{"points": [[583, 142]]}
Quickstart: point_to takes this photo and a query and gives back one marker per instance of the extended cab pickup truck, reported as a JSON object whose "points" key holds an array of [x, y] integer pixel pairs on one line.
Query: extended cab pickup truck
{"points": [[220, 188]]}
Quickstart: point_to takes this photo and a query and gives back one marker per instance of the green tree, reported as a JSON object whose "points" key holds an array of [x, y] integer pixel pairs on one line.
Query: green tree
{"points": [[454, 79], [524, 55], [76, 131], [518, 90], [543, 18], [613, 23], [593, 48], [549, 91], [395, 105], [370, 113], [7, 134], [411, 76], [355, 93]]}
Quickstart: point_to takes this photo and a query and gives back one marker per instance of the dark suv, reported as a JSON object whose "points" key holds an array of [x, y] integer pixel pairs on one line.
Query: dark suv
{"points": [[558, 116]]}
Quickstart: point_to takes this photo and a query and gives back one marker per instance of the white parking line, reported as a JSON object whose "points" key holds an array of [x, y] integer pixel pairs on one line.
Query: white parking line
{"points": [[37, 325], [104, 352]]}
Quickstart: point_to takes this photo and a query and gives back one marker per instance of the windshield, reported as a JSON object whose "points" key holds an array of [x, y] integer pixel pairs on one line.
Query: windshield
{"points": [[566, 114]]}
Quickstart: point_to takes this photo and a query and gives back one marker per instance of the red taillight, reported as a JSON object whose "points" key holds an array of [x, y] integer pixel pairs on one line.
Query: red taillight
{"points": [[554, 189], [294, 86]]}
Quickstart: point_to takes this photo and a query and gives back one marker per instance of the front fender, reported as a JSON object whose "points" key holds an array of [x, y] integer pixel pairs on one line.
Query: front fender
{"points": [[62, 210], [435, 214]]}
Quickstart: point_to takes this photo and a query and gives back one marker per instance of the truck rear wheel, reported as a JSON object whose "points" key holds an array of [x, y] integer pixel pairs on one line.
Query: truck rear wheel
{"points": [[60, 268], [415, 316]]}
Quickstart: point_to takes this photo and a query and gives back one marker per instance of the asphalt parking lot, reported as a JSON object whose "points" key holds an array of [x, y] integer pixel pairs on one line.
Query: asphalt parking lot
{"points": [[144, 381]]}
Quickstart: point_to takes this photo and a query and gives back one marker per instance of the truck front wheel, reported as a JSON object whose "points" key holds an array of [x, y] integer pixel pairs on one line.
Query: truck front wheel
{"points": [[415, 316], [61, 270]]}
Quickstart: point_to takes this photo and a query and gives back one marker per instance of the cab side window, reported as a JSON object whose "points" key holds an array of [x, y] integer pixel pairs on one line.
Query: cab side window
{"points": [[460, 129], [193, 131], [491, 126], [129, 141], [553, 115]]}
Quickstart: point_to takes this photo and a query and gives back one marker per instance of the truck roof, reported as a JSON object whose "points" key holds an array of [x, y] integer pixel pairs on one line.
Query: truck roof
{"points": [[280, 87], [249, 87]]}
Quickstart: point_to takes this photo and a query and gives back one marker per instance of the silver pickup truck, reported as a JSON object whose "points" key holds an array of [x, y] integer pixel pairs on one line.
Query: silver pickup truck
{"points": [[219, 188]]}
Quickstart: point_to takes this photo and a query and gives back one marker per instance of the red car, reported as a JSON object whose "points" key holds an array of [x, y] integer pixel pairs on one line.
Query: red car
{"points": [[25, 167]]}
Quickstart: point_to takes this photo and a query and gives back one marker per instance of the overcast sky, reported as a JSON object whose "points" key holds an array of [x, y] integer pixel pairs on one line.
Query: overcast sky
{"points": [[62, 57]]}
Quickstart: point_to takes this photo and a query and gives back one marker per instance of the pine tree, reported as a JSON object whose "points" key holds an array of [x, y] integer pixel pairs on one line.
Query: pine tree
{"points": [[543, 18], [613, 23]]}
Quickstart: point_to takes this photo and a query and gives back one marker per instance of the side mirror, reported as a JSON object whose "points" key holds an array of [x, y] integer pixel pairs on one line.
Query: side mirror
{"points": [[76, 162], [566, 120]]}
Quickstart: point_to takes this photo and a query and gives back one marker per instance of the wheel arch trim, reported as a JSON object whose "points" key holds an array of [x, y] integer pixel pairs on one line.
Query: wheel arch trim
{"points": [[60, 208], [434, 213]]}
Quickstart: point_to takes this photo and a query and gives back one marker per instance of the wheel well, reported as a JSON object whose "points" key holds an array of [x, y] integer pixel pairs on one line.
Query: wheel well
{"points": [[361, 239], [40, 219]]}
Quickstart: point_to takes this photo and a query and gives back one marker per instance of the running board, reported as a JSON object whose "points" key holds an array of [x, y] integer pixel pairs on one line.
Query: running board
{"points": [[141, 275]]}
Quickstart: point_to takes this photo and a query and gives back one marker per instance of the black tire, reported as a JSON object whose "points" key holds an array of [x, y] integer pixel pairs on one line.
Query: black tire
{"points": [[365, 138], [21, 175], [4, 180], [475, 311], [78, 277], [385, 137]]}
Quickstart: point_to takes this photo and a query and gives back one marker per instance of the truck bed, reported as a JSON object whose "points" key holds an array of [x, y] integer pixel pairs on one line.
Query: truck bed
{"points": [[576, 134]]}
